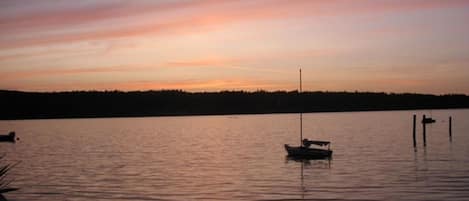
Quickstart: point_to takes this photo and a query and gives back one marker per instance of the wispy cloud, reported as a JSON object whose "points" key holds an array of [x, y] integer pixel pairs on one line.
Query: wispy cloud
{"points": [[259, 57], [204, 62], [71, 71], [199, 15], [53, 17], [33, 34]]}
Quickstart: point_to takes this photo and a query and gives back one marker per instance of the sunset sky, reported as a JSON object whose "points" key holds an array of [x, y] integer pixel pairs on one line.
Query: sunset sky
{"points": [[365, 45]]}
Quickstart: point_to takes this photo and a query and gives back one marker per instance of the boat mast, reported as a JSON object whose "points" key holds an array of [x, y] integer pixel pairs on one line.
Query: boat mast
{"points": [[301, 115]]}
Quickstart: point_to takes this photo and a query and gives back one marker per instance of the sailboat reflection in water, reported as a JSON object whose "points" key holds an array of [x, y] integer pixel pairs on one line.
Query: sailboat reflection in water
{"points": [[305, 151], [310, 176]]}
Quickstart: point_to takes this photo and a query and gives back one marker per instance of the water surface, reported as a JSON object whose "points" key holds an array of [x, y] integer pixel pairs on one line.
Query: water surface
{"points": [[239, 157]]}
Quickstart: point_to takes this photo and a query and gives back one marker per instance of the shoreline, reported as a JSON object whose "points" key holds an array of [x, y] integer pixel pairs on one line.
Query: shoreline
{"points": [[225, 114]]}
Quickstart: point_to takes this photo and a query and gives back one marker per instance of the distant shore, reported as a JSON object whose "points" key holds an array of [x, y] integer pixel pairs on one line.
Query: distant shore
{"points": [[98, 104]]}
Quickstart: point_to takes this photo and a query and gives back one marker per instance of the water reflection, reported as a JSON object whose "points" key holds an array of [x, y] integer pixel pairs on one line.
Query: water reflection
{"points": [[311, 163], [308, 164]]}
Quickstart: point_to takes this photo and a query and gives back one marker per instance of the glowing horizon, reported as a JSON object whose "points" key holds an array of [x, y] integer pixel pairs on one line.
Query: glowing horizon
{"points": [[415, 46]]}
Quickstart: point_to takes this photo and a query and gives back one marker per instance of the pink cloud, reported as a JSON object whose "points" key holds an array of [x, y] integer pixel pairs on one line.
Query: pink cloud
{"points": [[65, 17], [200, 16]]}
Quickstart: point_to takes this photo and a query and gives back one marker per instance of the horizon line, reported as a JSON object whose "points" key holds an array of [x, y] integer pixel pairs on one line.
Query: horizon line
{"points": [[244, 91]]}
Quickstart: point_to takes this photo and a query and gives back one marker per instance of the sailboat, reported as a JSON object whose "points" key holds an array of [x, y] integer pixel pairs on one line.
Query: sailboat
{"points": [[304, 150]]}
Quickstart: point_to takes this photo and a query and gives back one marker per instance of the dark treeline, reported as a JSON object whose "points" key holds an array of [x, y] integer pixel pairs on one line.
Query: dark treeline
{"points": [[78, 104]]}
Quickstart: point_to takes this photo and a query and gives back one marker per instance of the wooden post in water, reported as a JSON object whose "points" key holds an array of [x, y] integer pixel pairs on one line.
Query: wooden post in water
{"points": [[450, 124], [424, 132], [413, 131]]}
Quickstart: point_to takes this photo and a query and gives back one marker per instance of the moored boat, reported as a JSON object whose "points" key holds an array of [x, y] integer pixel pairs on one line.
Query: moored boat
{"points": [[11, 137], [428, 120], [307, 153]]}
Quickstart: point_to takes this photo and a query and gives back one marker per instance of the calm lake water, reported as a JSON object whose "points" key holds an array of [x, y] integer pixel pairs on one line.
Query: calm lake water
{"points": [[239, 157]]}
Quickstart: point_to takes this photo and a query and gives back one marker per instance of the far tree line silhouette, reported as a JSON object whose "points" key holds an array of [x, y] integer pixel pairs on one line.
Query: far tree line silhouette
{"points": [[87, 104]]}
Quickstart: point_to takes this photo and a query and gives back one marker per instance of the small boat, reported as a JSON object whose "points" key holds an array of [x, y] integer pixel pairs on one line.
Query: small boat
{"points": [[428, 120], [304, 151], [11, 137]]}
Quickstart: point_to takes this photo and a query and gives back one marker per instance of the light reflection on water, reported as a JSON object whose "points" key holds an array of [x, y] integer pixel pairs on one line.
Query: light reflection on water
{"points": [[239, 157]]}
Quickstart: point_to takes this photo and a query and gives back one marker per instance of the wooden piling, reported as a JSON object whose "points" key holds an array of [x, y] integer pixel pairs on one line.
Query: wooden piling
{"points": [[450, 129], [413, 131], [424, 132]]}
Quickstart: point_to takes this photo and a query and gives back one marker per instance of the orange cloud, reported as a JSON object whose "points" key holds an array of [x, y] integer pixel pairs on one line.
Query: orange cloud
{"points": [[196, 85], [188, 85], [173, 84], [204, 62]]}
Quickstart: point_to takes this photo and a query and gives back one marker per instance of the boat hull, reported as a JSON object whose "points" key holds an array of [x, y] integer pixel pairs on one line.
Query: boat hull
{"points": [[8, 138], [307, 153], [428, 121]]}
